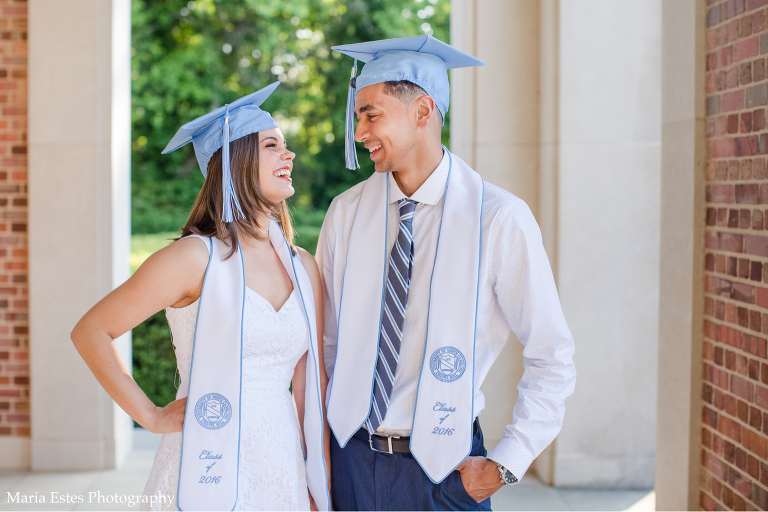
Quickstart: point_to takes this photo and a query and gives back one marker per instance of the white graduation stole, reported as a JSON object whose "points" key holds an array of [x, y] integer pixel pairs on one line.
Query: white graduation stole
{"points": [[208, 473], [441, 436]]}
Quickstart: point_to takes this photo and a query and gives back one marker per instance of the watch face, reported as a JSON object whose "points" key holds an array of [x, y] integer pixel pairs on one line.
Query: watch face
{"points": [[509, 477]]}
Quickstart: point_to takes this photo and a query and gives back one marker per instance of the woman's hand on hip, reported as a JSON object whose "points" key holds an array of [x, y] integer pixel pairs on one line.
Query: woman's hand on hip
{"points": [[169, 418]]}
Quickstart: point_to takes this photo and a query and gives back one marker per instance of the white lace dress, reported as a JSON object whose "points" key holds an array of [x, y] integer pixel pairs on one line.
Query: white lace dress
{"points": [[272, 469]]}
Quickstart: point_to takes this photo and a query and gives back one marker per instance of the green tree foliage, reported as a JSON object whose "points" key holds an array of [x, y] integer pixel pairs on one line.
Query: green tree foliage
{"points": [[190, 57]]}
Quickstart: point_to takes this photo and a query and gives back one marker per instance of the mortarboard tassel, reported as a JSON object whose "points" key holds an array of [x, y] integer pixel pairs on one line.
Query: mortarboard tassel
{"points": [[350, 152], [228, 187]]}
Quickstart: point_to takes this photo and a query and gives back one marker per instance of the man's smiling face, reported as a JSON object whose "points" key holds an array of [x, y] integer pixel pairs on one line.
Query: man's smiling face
{"points": [[385, 126]]}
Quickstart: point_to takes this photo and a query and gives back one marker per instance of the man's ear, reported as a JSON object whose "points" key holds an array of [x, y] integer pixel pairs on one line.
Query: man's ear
{"points": [[425, 110]]}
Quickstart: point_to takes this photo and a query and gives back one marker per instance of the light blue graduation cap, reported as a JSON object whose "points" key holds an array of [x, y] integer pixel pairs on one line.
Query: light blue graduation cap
{"points": [[216, 129], [422, 60]]}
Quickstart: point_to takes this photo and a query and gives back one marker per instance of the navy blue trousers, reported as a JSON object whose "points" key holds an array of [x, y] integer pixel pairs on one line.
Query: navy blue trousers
{"points": [[362, 479]]}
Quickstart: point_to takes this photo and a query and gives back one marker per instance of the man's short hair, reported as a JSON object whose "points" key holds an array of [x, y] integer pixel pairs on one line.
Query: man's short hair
{"points": [[406, 91]]}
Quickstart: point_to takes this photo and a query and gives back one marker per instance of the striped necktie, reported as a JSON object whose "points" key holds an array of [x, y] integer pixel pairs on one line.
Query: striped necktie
{"points": [[393, 315]]}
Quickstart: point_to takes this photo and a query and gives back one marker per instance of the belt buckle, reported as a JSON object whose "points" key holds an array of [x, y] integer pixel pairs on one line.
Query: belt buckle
{"points": [[389, 443]]}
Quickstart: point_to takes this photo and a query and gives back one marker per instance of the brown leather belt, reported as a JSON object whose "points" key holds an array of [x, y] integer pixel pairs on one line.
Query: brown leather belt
{"points": [[393, 444]]}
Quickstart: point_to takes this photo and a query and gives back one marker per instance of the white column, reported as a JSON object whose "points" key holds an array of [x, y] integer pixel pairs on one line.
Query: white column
{"points": [[567, 116], [549, 149], [79, 220], [608, 237], [495, 129], [495, 108], [678, 445]]}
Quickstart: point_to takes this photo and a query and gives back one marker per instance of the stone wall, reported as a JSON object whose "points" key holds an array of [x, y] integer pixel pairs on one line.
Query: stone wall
{"points": [[14, 324], [735, 368]]}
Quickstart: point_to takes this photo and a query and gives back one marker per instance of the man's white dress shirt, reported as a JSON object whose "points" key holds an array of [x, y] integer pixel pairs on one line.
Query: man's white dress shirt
{"points": [[517, 293]]}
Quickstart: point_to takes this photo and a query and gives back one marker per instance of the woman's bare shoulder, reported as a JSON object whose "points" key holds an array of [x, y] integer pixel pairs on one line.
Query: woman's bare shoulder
{"points": [[306, 258], [186, 256], [192, 246], [309, 264]]}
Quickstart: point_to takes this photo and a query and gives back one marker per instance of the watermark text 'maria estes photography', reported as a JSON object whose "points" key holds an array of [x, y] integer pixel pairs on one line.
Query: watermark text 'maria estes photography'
{"points": [[63, 498]]}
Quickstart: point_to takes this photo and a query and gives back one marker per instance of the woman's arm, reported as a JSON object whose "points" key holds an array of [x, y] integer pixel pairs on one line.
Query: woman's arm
{"points": [[171, 276], [317, 289]]}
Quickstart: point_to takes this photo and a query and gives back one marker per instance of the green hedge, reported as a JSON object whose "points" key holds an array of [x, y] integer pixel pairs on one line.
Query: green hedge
{"points": [[154, 361]]}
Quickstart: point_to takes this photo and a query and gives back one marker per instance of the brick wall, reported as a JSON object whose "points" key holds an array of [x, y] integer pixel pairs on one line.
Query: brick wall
{"points": [[734, 472], [14, 324]]}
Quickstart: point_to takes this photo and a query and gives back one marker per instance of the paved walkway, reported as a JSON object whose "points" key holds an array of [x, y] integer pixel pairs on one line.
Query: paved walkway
{"points": [[129, 480]]}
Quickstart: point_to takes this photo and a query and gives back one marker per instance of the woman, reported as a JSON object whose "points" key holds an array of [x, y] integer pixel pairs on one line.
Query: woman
{"points": [[244, 306]]}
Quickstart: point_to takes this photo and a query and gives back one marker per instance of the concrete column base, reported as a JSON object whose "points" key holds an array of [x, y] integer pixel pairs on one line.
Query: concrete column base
{"points": [[628, 472], [16, 453]]}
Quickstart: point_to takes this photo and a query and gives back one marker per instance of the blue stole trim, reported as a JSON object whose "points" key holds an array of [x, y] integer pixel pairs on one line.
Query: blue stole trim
{"points": [[208, 426], [313, 339], [192, 361], [207, 415], [339, 434], [190, 408], [443, 450], [358, 329]]}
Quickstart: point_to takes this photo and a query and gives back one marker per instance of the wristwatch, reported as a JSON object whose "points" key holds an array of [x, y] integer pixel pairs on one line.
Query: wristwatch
{"points": [[505, 475]]}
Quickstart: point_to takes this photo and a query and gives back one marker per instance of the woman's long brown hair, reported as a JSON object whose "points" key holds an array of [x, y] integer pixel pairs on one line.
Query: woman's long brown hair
{"points": [[206, 214]]}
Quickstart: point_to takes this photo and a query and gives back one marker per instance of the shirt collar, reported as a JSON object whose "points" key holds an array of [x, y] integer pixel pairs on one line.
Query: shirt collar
{"points": [[430, 191]]}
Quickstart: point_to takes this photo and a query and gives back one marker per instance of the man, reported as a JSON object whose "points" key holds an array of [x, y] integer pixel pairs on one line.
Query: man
{"points": [[426, 270]]}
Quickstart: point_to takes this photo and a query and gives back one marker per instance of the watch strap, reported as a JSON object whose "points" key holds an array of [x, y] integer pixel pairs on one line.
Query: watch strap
{"points": [[503, 472]]}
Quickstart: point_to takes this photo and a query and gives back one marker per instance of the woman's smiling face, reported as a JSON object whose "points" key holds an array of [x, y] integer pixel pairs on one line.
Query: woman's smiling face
{"points": [[275, 166]]}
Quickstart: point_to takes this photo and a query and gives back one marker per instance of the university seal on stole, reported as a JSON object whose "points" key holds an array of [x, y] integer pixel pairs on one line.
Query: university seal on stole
{"points": [[213, 411], [447, 364]]}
